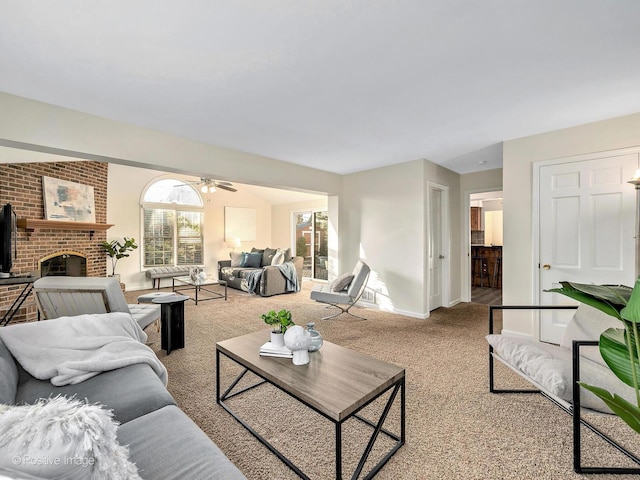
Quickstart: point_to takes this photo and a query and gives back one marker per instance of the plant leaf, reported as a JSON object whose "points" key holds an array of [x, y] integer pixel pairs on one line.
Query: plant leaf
{"points": [[627, 411], [631, 312], [614, 351], [609, 299]]}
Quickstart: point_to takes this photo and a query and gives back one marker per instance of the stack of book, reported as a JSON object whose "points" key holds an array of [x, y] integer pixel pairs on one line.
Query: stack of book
{"points": [[269, 350]]}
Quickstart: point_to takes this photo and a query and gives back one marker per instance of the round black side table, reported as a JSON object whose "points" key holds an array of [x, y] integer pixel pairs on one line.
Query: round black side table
{"points": [[171, 321]]}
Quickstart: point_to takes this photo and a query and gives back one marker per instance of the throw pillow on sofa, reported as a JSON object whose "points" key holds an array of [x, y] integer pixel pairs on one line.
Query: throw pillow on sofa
{"points": [[237, 259], [62, 438], [278, 258], [267, 256], [253, 260], [342, 282]]}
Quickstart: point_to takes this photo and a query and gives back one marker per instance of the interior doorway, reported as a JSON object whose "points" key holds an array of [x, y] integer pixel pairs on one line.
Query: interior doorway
{"points": [[485, 247]]}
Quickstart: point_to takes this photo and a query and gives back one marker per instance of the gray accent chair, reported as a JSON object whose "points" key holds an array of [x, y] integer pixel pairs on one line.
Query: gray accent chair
{"points": [[344, 299], [68, 296]]}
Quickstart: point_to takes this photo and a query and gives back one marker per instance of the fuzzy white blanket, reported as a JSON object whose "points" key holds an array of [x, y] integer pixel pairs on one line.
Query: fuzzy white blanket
{"points": [[70, 350]]}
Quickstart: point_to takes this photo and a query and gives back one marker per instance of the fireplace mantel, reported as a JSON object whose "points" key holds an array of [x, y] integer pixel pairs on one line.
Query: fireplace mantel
{"points": [[31, 225]]}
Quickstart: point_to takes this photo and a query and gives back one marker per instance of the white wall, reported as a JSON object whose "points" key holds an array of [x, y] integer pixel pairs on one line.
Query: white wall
{"points": [[382, 217], [125, 186], [519, 155], [382, 222]]}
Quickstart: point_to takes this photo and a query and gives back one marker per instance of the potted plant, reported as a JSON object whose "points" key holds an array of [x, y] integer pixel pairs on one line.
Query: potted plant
{"points": [[117, 250], [619, 347], [279, 322]]}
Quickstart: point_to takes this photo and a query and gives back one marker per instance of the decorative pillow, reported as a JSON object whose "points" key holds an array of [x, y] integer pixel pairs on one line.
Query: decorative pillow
{"points": [[253, 260], [278, 258], [237, 259], [62, 438], [587, 324], [342, 282], [287, 254], [267, 256]]}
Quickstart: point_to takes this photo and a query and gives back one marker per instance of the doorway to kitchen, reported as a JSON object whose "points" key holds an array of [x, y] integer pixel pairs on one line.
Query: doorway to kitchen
{"points": [[485, 247]]}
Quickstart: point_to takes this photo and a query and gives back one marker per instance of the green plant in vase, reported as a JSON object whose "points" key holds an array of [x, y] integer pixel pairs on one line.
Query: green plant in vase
{"points": [[279, 321], [619, 347], [117, 250]]}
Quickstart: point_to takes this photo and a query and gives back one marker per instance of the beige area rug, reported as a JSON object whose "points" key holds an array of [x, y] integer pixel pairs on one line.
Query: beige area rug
{"points": [[456, 429]]}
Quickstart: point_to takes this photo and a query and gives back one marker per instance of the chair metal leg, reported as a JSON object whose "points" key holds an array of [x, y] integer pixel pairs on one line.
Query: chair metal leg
{"points": [[342, 310]]}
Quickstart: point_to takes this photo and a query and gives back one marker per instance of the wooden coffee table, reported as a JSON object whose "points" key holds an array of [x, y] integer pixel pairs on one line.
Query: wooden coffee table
{"points": [[337, 383]]}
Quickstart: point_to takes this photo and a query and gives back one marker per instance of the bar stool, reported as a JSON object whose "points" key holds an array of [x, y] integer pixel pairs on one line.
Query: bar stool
{"points": [[497, 269], [479, 268]]}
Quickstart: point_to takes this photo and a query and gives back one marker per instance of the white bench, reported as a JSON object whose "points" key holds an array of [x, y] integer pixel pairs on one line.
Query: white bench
{"points": [[555, 370]]}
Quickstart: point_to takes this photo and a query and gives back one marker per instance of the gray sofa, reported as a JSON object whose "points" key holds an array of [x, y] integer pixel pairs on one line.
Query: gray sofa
{"points": [[269, 279], [163, 442]]}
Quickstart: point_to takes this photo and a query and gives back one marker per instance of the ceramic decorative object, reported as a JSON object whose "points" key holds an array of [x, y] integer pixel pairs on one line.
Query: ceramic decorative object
{"points": [[297, 339], [316, 337], [277, 339]]}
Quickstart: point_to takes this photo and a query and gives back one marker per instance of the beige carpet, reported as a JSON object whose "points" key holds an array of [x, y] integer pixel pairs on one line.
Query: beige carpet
{"points": [[455, 428]]}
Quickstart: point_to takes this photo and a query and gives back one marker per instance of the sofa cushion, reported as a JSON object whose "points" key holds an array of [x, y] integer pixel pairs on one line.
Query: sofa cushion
{"points": [[169, 434], [237, 259], [253, 260], [278, 258], [80, 444], [8, 376], [551, 367], [587, 324], [130, 392], [267, 256]]}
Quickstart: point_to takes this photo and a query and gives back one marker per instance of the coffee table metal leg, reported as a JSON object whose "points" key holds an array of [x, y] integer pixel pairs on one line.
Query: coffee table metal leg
{"points": [[339, 450]]}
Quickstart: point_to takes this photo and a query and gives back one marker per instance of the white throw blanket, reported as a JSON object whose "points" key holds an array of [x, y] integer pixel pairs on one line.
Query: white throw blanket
{"points": [[70, 350]]}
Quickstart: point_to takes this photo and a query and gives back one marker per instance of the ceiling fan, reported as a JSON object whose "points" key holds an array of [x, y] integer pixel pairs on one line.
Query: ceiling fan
{"points": [[209, 185]]}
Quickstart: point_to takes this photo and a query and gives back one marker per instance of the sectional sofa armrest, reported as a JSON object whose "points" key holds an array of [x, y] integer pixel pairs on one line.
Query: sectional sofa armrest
{"points": [[272, 281]]}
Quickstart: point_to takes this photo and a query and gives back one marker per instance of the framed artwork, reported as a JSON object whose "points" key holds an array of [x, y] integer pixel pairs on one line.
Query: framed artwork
{"points": [[68, 201], [240, 222]]}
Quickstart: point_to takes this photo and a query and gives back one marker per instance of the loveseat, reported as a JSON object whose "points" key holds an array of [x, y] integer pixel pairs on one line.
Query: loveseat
{"points": [[162, 441], [265, 272]]}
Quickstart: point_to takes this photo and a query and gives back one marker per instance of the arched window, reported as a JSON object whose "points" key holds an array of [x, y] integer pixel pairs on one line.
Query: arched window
{"points": [[172, 224]]}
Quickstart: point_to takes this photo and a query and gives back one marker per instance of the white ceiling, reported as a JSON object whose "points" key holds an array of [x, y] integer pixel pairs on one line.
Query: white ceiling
{"points": [[341, 85]]}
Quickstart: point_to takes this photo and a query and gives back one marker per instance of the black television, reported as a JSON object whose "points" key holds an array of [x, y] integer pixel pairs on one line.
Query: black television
{"points": [[8, 234]]}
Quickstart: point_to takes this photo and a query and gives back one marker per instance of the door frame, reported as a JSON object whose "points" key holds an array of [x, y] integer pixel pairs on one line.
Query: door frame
{"points": [[535, 216], [292, 220], [445, 242], [466, 222]]}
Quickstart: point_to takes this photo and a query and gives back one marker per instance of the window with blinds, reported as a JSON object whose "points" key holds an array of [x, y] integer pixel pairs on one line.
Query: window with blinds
{"points": [[172, 234]]}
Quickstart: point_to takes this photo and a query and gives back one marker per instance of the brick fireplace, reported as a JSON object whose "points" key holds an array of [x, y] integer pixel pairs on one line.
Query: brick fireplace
{"points": [[21, 185]]}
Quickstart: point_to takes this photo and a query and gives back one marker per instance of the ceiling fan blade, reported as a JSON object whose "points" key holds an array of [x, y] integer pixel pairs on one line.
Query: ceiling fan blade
{"points": [[225, 187], [228, 184]]}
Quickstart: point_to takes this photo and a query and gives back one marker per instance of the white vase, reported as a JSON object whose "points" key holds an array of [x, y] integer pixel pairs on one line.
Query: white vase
{"points": [[277, 339]]}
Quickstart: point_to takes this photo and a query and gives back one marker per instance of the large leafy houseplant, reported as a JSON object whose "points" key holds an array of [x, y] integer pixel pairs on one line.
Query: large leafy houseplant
{"points": [[117, 250], [619, 347]]}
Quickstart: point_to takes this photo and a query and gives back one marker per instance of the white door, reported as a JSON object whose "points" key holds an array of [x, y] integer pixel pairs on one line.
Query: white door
{"points": [[435, 248], [586, 230]]}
